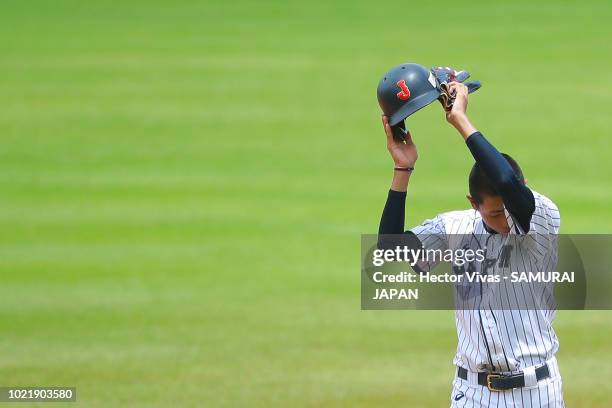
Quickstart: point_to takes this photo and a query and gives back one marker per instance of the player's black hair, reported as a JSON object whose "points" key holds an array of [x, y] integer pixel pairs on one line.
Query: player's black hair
{"points": [[480, 185]]}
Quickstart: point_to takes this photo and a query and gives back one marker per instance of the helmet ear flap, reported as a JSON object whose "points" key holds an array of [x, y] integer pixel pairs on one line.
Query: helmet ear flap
{"points": [[473, 86], [446, 75]]}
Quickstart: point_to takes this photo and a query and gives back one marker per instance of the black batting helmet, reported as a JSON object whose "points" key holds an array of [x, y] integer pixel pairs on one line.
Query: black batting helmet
{"points": [[404, 90]]}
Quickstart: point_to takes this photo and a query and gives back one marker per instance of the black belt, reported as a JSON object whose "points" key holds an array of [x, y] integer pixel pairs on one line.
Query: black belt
{"points": [[502, 382]]}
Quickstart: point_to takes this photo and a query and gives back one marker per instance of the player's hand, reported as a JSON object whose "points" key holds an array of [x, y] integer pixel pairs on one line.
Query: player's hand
{"points": [[459, 109], [457, 115], [404, 153]]}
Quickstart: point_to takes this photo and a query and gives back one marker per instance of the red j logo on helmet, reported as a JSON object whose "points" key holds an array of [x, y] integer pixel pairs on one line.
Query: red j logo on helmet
{"points": [[404, 94]]}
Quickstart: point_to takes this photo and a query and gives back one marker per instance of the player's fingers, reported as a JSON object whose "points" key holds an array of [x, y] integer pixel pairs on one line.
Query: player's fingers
{"points": [[391, 138], [461, 88], [457, 88], [388, 130]]}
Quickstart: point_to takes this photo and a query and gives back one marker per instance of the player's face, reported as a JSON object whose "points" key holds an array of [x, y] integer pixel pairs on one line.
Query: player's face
{"points": [[492, 211]]}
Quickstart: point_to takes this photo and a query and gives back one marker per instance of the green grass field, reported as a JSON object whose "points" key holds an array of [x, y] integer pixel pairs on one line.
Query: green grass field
{"points": [[184, 187]]}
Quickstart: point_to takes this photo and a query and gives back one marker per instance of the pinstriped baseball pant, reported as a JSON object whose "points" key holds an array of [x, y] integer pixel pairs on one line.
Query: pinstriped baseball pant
{"points": [[548, 393]]}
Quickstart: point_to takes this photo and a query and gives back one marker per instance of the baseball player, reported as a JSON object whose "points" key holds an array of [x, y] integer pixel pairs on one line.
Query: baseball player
{"points": [[505, 356]]}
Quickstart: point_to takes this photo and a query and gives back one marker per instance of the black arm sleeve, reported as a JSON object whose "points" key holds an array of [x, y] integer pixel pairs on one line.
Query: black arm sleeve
{"points": [[518, 198], [391, 228], [392, 220]]}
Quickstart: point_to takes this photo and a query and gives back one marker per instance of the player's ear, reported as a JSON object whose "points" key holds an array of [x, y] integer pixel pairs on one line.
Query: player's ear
{"points": [[525, 181], [472, 202]]}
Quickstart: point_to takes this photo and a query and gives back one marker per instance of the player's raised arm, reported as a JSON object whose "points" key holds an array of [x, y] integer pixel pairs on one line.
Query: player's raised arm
{"points": [[404, 155], [517, 197]]}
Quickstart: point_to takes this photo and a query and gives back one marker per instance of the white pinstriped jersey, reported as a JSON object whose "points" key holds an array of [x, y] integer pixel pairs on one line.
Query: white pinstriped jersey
{"points": [[491, 339]]}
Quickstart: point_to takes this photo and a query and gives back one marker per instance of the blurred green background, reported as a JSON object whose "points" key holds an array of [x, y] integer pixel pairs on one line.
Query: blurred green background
{"points": [[184, 185]]}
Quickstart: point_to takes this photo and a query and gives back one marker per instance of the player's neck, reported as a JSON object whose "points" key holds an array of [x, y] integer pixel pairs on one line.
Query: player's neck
{"points": [[488, 229]]}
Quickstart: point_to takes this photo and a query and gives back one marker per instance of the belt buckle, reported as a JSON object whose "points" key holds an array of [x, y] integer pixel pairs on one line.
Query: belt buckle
{"points": [[491, 377]]}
